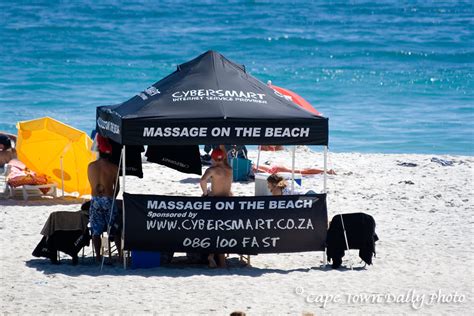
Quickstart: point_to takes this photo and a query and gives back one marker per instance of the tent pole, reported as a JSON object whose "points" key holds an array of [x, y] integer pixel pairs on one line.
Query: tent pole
{"points": [[325, 191], [258, 158], [293, 154], [62, 176], [325, 169], [124, 168], [114, 201]]}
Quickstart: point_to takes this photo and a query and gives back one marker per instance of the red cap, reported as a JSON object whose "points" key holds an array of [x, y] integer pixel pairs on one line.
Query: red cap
{"points": [[217, 154], [103, 144]]}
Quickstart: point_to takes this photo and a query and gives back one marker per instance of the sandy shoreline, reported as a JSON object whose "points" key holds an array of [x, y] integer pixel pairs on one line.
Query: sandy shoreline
{"points": [[424, 221]]}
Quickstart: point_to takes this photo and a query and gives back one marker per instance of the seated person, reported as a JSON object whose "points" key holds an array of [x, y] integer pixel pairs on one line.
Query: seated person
{"points": [[220, 175], [277, 185], [7, 152]]}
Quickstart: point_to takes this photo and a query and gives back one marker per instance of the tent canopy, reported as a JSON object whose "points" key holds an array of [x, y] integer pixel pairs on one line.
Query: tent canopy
{"points": [[210, 100]]}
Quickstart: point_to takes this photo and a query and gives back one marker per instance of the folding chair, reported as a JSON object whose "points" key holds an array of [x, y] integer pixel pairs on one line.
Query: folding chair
{"points": [[243, 258], [107, 247]]}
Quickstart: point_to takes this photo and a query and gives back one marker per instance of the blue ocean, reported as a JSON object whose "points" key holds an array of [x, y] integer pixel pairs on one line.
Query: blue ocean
{"points": [[392, 76]]}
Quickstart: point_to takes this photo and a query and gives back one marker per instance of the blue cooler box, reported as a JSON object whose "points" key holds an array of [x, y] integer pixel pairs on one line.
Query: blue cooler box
{"points": [[145, 259]]}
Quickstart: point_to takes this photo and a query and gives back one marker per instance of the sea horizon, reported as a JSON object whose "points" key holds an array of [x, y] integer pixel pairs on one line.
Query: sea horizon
{"points": [[391, 77]]}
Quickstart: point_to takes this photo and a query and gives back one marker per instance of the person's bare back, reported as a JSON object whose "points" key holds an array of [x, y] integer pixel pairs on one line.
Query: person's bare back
{"points": [[102, 174], [221, 180], [220, 175]]}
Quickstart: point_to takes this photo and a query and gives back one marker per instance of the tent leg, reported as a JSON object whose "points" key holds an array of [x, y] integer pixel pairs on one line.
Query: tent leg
{"points": [[123, 208], [258, 158], [293, 155], [109, 223], [325, 192]]}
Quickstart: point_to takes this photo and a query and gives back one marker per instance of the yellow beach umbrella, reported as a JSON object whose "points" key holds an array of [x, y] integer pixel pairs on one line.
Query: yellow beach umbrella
{"points": [[58, 150]]}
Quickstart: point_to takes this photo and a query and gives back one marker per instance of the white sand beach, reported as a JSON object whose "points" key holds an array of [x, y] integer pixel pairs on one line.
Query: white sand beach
{"points": [[424, 261]]}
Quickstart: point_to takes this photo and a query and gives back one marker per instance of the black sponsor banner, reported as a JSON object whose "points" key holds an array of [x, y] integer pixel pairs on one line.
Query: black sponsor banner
{"points": [[247, 225], [133, 159], [250, 132], [186, 159], [108, 124]]}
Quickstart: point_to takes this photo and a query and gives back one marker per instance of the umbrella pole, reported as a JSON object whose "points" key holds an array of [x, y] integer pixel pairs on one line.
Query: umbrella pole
{"points": [[62, 176], [293, 154]]}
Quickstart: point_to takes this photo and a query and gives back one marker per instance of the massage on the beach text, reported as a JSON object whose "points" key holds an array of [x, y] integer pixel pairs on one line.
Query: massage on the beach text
{"points": [[225, 205], [293, 132]]}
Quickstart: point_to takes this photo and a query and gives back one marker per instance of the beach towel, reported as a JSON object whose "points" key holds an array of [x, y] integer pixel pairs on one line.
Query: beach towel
{"points": [[442, 162], [20, 175], [360, 230], [63, 231], [65, 221]]}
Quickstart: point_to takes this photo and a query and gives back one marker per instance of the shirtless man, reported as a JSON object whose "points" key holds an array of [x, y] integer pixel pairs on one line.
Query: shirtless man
{"points": [[102, 175], [220, 174]]}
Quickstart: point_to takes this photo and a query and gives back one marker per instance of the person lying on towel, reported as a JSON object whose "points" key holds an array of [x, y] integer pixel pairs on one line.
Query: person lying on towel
{"points": [[276, 168], [19, 175]]}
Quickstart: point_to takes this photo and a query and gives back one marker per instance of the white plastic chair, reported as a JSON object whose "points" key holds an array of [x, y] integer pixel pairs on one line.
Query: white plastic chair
{"points": [[33, 190]]}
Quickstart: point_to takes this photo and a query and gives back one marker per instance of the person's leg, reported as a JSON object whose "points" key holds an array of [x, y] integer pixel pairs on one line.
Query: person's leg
{"points": [[94, 221], [118, 244], [115, 230], [96, 240], [221, 260], [212, 262]]}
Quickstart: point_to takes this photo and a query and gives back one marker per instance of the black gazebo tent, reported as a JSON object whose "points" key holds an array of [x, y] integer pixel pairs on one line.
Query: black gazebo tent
{"points": [[211, 100]]}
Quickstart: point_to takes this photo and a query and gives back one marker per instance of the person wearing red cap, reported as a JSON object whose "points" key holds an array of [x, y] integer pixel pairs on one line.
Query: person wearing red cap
{"points": [[102, 174], [220, 175], [103, 145]]}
